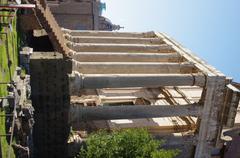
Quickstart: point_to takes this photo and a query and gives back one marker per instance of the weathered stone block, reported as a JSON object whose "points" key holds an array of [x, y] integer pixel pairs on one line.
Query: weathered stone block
{"points": [[50, 98]]}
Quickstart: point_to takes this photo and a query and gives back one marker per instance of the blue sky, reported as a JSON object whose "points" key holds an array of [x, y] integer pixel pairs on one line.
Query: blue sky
{"points": [[210, 28]]}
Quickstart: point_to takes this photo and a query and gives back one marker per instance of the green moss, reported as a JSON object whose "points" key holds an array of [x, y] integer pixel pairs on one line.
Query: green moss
{"points": [[4, 143], [8, 51], [10, 45]]}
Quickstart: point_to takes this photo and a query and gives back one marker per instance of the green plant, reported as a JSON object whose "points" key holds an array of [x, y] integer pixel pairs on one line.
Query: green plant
{"points": [[162, 153], [129, 143]]}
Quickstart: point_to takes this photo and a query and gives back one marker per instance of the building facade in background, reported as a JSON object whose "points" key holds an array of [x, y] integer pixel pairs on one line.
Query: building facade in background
{"points": [[81, 15]]}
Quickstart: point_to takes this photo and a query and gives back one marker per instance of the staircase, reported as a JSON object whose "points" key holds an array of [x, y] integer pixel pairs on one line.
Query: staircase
{"points": [[51, 26]]}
